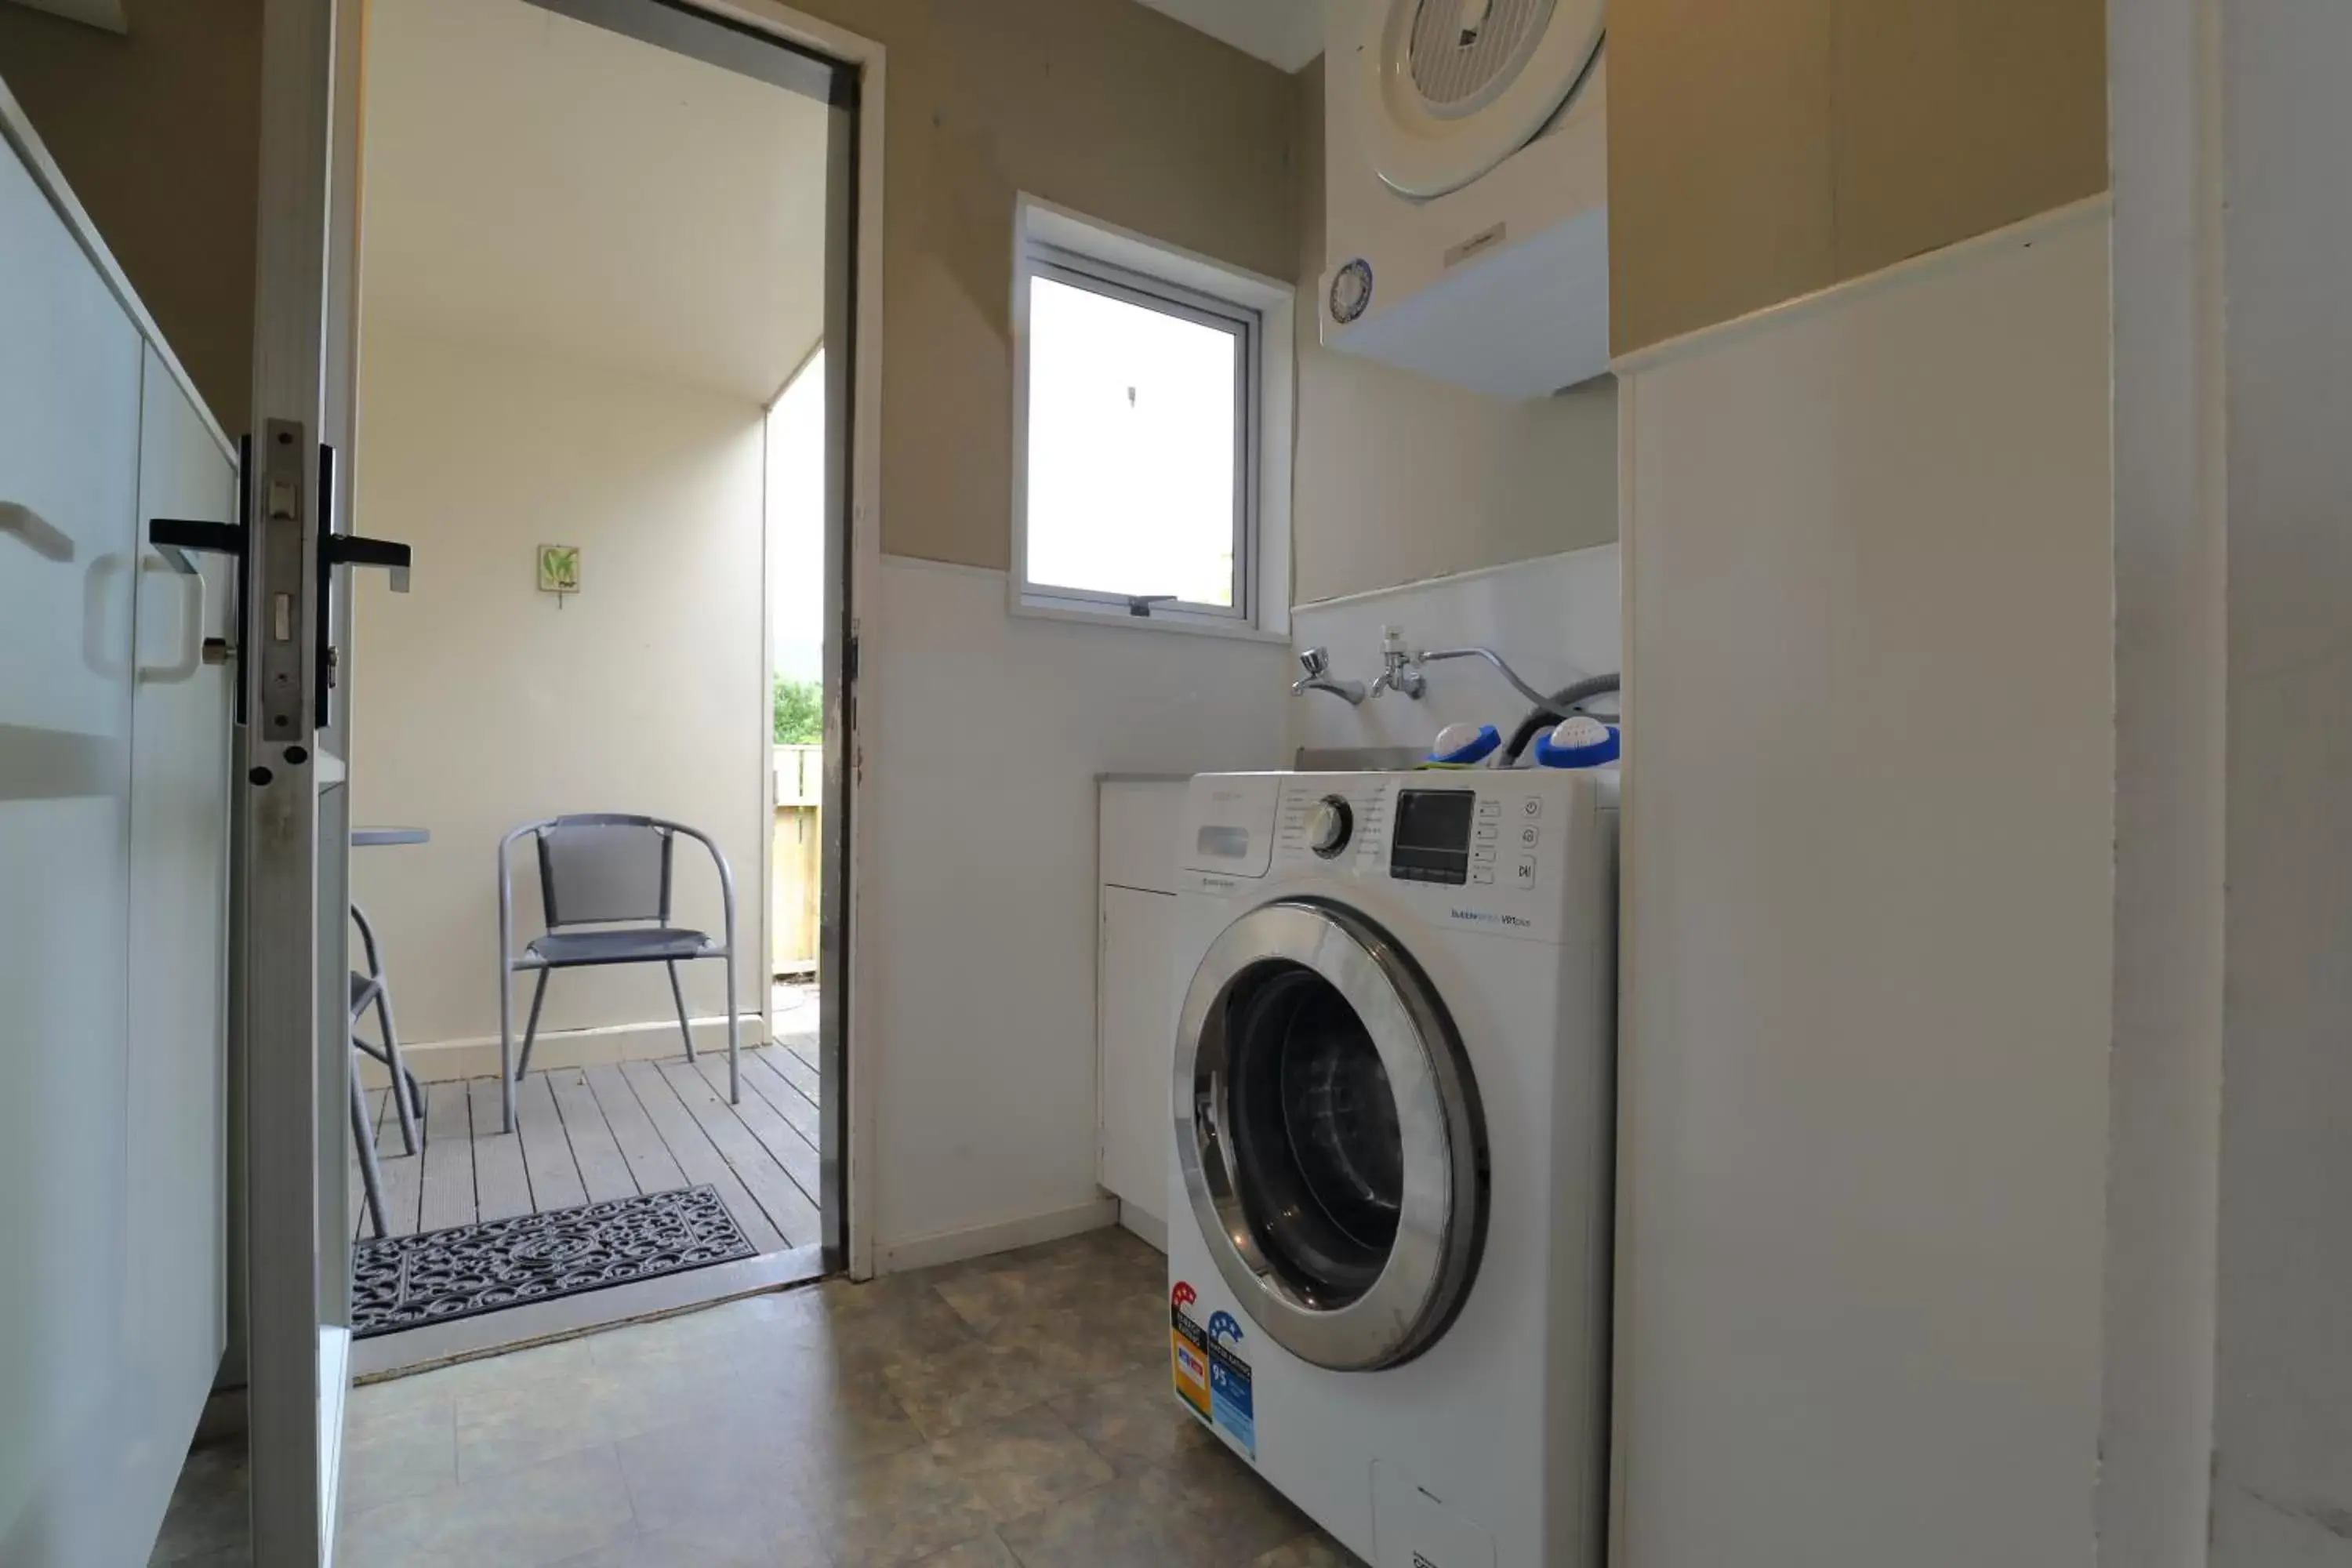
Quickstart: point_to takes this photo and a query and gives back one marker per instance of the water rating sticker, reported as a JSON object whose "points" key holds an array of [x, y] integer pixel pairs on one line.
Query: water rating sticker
{"points": [[1234, 1406], [1188, 1347]]}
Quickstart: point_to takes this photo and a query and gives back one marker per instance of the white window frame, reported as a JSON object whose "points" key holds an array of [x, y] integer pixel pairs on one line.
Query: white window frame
{"points": [[1060, 245]]}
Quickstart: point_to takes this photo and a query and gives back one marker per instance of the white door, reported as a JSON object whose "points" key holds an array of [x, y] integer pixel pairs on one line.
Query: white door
{"points": [[293, 823]]}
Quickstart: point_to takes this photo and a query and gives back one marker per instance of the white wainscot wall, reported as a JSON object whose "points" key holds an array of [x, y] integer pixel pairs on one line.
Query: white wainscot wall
{"points": [[1866, 921], [1557, 619], [982, 735]]}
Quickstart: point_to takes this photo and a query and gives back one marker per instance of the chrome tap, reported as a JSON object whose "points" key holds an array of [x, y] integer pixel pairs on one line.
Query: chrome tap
{"points": [[1316, 662], [1431, 655], [1400, 672]]}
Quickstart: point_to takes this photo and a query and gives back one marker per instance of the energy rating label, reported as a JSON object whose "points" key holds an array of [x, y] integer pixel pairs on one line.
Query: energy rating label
{"points": [[1188, 1347], [1233, 1405]]}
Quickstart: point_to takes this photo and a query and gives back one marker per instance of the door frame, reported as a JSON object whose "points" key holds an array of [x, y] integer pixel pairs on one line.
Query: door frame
{"points": [[304, 50], [849, 1048], [305, 359], [852, 338]]}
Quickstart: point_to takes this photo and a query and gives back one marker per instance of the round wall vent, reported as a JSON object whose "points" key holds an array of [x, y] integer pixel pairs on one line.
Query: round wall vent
{"points": [[1463, 84], [1352, 291]]}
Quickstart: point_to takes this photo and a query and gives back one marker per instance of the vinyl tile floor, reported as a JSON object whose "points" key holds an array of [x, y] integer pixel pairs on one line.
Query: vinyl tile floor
{"points": [[1012, 1412]]}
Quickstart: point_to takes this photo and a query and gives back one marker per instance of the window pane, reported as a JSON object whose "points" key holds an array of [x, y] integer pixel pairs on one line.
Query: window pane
{"points": [[1131, 448]]}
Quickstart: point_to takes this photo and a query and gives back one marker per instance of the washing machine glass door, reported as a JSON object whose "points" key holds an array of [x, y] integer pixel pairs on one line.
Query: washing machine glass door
{"points": [[1330, 1134]]}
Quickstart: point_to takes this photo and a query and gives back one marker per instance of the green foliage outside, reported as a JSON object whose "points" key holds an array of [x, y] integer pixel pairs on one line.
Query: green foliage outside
{"points": [[799, 713]]}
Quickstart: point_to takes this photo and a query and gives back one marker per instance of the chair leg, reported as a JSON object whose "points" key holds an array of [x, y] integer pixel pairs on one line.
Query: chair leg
{"points": [[530, 1032], [506, 1038], [371, 1173], [677, 994], [734, 1038], [404, 1086]]}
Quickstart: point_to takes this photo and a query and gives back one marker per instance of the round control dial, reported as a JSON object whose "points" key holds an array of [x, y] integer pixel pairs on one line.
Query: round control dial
{"points": [[1328, 825]]}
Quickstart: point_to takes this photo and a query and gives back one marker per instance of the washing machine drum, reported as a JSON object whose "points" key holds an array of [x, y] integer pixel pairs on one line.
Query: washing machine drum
{"points": [[1330, 1134]]}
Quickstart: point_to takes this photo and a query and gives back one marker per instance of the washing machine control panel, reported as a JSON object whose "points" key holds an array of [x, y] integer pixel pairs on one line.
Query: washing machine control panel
{"points": [[1490, 844], [1468, 838]]}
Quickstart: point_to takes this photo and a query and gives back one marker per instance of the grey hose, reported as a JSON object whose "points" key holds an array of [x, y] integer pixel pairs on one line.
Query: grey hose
{"points": [[1433, 656], [1557, 708]]}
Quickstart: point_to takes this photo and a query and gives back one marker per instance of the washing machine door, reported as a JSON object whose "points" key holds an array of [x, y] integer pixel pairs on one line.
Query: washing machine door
{"points": [[1330, 1137]]}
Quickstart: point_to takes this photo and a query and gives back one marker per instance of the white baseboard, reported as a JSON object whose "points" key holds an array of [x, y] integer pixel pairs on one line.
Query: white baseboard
{"points": [[445, 1061], [980, 1240]]}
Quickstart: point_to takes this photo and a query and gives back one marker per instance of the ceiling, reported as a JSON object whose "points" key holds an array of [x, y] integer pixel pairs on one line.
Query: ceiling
{"points": [[537, 180], [1286, 33]]}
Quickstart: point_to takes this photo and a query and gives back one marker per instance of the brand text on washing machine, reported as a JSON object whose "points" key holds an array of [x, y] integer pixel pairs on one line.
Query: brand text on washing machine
{"points": [[1489, 917]]}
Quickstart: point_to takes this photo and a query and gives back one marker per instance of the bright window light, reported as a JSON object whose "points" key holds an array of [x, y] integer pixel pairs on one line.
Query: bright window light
{"points": [[1139, 425]]}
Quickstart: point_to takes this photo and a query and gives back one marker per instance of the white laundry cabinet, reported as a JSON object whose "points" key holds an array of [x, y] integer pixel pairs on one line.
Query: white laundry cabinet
{"points": [[114, 823], [1137, 994]]}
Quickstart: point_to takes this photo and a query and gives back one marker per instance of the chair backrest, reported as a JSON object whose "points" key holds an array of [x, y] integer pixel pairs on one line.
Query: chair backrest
{"points": [[601, 868]]}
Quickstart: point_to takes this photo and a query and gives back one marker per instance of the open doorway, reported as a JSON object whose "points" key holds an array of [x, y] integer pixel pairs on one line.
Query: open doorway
{"points": [[601, 243]]}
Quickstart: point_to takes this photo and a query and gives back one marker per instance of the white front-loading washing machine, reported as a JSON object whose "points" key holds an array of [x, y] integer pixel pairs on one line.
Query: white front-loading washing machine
{"points": [[1389, 1233]]}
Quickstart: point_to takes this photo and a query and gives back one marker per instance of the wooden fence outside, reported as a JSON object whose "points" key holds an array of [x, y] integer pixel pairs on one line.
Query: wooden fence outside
{"points": [[798, 865]]}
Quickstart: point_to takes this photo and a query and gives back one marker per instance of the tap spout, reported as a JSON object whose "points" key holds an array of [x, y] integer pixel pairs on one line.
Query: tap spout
{"points": [[1317, 663]]}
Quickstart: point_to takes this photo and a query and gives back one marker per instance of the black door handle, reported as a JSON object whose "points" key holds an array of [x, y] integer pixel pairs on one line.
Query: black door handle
{"points": [[350, 550], [343, 549], [174, 536]]}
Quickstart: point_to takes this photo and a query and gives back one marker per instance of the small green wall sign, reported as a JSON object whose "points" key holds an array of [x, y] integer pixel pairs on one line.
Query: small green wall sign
{"points": [[558, 569]]}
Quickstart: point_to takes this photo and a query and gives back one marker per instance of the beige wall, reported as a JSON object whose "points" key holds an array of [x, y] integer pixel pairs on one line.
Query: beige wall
{"points": [[1101, 105], [1399, 478], [483, 703], [158, 134], [1762, 151]]}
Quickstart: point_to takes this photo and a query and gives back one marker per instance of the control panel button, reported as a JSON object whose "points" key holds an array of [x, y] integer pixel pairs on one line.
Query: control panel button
{"points": [[1484, 875], [1523, 875], [1532, 806], [1485, 833], [1527, 836], [1489, 809], [1483, 855]]}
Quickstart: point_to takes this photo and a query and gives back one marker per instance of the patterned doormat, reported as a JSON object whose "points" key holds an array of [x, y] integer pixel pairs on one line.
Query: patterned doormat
{"points": [[405, 1282]]}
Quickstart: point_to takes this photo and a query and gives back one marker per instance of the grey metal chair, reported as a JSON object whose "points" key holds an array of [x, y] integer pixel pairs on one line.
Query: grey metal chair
{"points": [[612, 875], [372, 992], [363, 1140]]}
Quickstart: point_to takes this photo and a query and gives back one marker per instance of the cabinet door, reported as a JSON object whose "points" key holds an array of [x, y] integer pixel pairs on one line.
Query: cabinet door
{"points": [[1141, 821], [68, 465], [1136, 1043], [181, 719]]}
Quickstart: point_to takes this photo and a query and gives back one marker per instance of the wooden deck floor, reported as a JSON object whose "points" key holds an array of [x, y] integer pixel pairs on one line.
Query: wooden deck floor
{"points": [[586, 1134]]}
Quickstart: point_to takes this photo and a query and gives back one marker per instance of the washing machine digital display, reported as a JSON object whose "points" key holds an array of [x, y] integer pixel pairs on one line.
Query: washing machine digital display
{"points": [[1224, 843], [1432, 839]]}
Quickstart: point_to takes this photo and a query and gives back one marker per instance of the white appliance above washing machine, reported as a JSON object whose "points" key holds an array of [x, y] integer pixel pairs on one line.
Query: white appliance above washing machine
{"points": [[1466, 189], [1389, 1222]]}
